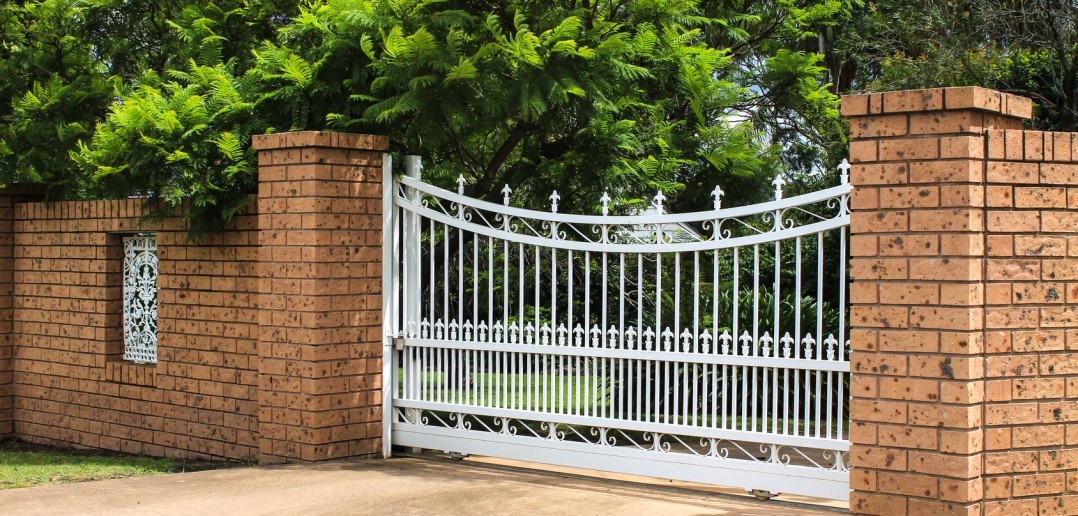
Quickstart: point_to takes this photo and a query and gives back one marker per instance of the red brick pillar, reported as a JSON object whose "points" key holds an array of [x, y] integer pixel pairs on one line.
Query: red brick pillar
{"points": [[320, 320], [7, 344], [8, 197], [918, 240]]}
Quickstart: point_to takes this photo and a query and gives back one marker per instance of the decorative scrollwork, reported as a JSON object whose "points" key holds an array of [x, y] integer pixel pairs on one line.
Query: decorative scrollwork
{"points": [[140, 298], [782, 455], [781, 215]]}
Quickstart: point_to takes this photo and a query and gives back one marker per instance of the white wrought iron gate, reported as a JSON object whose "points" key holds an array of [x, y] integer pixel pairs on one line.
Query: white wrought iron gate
{"points": [[707, 347]]}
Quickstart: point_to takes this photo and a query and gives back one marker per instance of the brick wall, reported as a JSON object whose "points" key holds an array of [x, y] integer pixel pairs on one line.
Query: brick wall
{"points": [[269, 332], [963, 388], [71, 386]]}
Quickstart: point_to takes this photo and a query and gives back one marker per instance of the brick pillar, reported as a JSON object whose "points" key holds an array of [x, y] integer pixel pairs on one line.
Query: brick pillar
{"points": [[8, 197], [320, 320], [7, 343], [917, 295]]}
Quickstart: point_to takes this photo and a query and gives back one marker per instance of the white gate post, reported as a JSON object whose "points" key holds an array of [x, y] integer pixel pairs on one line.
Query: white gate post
{"points": [[413, 168], [389, 302]]}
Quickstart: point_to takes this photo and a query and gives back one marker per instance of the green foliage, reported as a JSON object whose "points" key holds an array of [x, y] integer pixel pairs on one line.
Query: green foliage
{"points": [[52, 89], [627, 97], [1029, 48], [173, 139]]}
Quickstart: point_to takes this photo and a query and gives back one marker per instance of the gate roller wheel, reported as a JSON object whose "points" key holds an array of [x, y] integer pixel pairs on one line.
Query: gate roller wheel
{"points": [[762, 494]]}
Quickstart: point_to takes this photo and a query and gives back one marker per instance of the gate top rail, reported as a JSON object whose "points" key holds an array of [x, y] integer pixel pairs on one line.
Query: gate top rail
{"points": [[779, 219]]}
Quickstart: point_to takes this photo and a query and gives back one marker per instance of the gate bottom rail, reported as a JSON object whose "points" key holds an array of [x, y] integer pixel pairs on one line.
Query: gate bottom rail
{"points": [[747, 463]]}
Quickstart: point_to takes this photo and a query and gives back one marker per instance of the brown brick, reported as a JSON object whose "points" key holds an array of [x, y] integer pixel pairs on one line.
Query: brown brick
{"points": [[946, 171], [947, 465], [853, 105], [909, 149], [862, 151], [913, 100], [1059, 174], [877, 126], [972, 97], [909, 197], [1006, 172], [1040, 197], [908, 484]]}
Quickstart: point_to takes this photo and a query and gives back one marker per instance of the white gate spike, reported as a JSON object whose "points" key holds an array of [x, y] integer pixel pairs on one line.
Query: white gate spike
{"points": [[686, 340], [659, 198], [779, 182], [506, 192], [787, 341], [746, 339], [844, 169]]}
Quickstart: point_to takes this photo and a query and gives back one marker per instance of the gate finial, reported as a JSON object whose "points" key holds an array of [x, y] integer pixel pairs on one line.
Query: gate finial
{"points": [[779, 182], [659, 198], [505, 194], [460, 184], [605, 199], [717, 193], [554, 198], [845, 167]]}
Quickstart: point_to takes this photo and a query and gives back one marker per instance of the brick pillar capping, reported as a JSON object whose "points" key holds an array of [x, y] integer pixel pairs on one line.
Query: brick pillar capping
{"points": [[917, 296], [320, 319]]}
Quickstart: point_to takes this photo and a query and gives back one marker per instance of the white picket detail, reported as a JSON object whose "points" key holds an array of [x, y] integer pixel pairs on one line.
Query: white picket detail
{"points": [[706, 346]]}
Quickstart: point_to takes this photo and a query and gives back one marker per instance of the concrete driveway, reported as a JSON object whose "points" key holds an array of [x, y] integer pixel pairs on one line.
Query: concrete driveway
{"points": [[396, 486]]}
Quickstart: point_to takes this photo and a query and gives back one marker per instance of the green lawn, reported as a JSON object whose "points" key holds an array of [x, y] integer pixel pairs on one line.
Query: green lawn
{"points": [[24, 465], [516, 390], [574, 394]]}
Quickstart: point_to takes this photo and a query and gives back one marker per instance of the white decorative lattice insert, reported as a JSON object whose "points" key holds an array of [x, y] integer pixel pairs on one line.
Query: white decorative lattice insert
{"points": [[140, 298]]}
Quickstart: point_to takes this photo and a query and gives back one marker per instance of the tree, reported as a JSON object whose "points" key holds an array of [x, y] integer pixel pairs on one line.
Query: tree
{"points": [[64, 62], [579, 96], [1028, 47], [55, 89]]}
